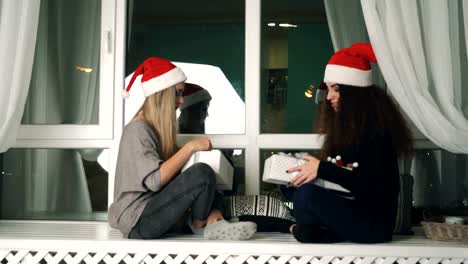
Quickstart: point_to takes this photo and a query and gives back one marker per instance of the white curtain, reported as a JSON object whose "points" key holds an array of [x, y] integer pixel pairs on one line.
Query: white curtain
{"points": [[346, 22], [64, 90], [18, 29], [422, 52]]}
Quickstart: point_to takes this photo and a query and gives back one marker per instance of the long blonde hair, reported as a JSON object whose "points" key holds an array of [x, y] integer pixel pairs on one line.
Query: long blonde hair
{"points": [[159, 112]]}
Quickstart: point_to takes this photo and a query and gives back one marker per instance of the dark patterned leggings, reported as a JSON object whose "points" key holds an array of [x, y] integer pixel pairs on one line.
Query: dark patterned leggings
{"points": [[323, 216]]}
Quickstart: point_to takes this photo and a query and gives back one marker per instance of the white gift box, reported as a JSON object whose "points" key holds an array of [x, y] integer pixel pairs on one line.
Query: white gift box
{"points": [[275, 168], [275, 172], [221, 166]]}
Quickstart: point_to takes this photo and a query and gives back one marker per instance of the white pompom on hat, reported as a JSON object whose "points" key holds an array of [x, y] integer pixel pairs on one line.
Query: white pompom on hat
{"points": [[194, 94], [351, 66], [158, 74]]}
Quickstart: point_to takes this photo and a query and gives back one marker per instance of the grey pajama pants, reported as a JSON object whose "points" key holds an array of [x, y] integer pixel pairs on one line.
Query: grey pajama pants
{"points": [[194, 188]]}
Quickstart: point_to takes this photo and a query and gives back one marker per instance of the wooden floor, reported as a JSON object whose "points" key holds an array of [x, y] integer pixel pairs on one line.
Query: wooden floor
{"points": [[60, 235]]}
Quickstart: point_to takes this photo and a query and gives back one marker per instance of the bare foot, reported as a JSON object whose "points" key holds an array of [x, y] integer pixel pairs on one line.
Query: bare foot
{"points": [[214, 216], [198, 223]]}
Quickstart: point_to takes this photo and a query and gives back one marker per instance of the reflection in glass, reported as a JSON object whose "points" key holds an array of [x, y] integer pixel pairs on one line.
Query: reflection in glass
{"points": [[440, 183], [62, 184], [194, 110], [206, 40], [64, 85], [226, 114], [296, 46]]}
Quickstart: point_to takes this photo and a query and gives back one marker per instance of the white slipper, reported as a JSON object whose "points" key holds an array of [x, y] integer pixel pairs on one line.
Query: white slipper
{"points": [[223, 230]]}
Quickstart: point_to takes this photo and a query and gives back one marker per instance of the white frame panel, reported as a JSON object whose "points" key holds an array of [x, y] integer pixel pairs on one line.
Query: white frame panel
{"points": [[253, 18], [106, 111], [119, 84]]}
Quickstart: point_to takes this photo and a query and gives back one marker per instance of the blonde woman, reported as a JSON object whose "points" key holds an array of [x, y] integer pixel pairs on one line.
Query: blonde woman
{"points": [[151, 195]]}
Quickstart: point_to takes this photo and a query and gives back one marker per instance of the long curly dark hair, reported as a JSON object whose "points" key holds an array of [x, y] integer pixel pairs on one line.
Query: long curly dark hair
{"points": [[364, 112]]}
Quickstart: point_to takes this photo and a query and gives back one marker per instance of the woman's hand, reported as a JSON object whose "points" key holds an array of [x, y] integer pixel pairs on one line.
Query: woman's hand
{"points": [[200, 144], [174, 164], [307, 171]]}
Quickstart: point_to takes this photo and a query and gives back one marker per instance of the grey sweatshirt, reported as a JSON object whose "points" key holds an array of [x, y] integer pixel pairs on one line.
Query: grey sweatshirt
{"points": [[137, 175]]}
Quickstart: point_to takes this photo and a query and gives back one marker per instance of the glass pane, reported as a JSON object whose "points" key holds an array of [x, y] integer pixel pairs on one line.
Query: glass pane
{"points": [[237, 159], [296, 45], [440, 183], [206, 40], [64, 85], [63, 184]]}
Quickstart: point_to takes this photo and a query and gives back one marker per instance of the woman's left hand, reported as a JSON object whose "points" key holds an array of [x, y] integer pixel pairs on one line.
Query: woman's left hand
{"points": [[307, 171]]}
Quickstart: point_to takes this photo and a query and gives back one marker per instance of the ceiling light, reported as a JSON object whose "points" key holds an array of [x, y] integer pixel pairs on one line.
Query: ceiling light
{"points": [[287, 25], [271, 24]]}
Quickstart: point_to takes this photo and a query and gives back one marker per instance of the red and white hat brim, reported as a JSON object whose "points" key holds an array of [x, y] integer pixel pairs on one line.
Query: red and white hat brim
{"points": [[348, 76], [163, 81]]}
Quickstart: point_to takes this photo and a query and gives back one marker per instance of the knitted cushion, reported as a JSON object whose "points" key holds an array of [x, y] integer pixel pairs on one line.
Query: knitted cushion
{"points": [[261, 205]]}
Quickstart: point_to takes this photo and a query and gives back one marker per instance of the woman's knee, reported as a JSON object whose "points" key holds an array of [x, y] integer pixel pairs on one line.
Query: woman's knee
{"points": [[201, 173], [305, 195]]}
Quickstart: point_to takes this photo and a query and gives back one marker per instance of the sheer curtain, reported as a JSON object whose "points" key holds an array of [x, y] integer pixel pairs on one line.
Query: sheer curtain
{"points": [[18, 29], [64, 90], [346, 22], [422, 48]]}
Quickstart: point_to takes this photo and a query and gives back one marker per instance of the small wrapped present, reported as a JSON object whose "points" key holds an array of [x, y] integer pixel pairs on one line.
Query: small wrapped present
{"points": [[275, 168], [221, 166], [275, 172]]}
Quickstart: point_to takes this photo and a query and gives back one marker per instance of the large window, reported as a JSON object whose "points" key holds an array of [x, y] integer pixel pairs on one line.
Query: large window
{"points": [[256, 59], [59, 166]]}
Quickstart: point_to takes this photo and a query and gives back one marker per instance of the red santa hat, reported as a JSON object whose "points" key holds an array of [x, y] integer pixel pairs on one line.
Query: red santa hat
{"points": [[158, 74], [351, 66], [194, 94]]}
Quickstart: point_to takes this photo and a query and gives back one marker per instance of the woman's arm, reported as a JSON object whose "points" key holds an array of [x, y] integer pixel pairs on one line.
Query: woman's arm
{"points": [[170, 167], [372, 160], [314, 168], [376, 159], [331, 172]]}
